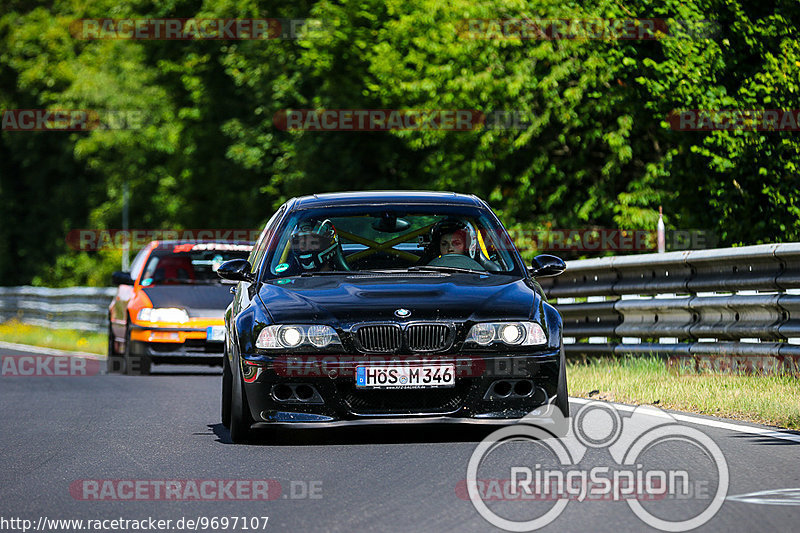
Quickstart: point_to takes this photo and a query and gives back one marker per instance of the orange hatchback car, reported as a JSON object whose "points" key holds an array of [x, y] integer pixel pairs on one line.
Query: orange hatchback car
{"points": [[169, 307]]}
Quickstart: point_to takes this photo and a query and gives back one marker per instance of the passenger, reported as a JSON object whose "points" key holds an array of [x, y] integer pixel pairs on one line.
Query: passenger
{"points": [[453, 243], [449, 236]]}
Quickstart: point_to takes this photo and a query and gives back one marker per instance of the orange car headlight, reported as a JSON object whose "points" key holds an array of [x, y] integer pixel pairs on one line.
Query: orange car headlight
{"points": [[163, 314]]}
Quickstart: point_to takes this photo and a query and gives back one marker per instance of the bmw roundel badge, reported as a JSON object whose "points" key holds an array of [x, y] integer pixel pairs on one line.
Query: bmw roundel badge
{"points": [[402, 313]]}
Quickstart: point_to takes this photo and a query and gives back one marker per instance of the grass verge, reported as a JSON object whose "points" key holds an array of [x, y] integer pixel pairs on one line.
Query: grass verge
{"points": [[60, 339], [770, 400]]}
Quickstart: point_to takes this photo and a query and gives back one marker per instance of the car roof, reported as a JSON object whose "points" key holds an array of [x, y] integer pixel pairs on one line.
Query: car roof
{"points": [[171, 243], [383, 197]]}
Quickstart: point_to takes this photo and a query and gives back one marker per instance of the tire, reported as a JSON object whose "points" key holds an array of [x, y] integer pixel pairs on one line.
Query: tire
{"points": [[560, 416], [135, 364], [562, 400], [115, 362], [240, 410], [227, 385]]}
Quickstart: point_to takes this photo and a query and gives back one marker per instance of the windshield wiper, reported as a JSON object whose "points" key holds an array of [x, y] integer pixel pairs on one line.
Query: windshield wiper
{"points": [[179, 281], [437, 268], [328, 273]]}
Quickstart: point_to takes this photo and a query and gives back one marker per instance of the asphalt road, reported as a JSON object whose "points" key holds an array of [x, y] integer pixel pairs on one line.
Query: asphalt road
{"points": [[59, 432]]}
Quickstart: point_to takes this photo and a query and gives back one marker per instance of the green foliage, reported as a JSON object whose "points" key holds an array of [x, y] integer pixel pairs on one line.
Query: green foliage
{"points": [[596, 149]]}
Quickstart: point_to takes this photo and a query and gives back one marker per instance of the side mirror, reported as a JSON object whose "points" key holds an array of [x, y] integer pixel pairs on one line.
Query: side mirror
{"points": [[546, 265], [121, 278], [236, 270]]}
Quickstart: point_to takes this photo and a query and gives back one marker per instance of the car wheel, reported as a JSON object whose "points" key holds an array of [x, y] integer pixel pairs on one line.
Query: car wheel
{"points": [[115, 361], [240, 410], [227, 382], [135, 364]]}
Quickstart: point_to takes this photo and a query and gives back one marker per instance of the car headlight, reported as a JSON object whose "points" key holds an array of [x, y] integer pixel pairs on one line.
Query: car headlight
{"points": [[321, 336], [482, 334], [510, 333], [163, 314], [279, 336], [290, 336]]}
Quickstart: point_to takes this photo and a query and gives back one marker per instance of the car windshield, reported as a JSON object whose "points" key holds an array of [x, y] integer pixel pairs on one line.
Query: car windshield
{"points": [[407, 238], [190, 263]]}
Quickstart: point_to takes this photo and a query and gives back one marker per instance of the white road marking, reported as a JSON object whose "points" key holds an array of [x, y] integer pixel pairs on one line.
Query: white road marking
{"points": [[794, 437], [46, 351], [769, 497]]}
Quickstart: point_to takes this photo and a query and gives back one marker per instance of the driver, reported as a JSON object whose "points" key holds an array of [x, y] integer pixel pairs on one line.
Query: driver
{"points": [[315, 246]]}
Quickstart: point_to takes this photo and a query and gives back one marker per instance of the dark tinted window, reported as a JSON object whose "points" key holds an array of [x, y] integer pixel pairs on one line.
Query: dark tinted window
{"points": [[188, 263]]}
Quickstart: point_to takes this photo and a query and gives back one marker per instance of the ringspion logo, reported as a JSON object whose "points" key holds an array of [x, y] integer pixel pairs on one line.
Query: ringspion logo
{"points": [[536, 475]]}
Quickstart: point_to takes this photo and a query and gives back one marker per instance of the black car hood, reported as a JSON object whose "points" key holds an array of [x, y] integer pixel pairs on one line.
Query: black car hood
{"points": [[339, 301], [199, 300]]}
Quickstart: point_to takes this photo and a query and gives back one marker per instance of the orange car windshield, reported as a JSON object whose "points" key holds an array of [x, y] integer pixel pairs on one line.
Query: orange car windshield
{"points": [[189, 264]]}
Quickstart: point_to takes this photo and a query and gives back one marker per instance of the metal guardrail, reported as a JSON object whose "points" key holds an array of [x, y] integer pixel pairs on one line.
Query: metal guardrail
{"points": [[82, 308], [729, 308]]}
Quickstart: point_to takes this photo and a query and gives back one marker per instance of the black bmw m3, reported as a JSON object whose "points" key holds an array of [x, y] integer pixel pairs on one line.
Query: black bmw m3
{"points": [[388, 307]]}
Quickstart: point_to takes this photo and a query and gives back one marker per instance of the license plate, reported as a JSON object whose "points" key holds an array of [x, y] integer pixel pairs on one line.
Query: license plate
{"points": [[215, 333], [405, 377]]}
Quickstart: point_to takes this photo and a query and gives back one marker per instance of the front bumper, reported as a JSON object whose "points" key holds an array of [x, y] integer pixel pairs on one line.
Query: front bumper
{"points": [[330, 398], [174, 345]]}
